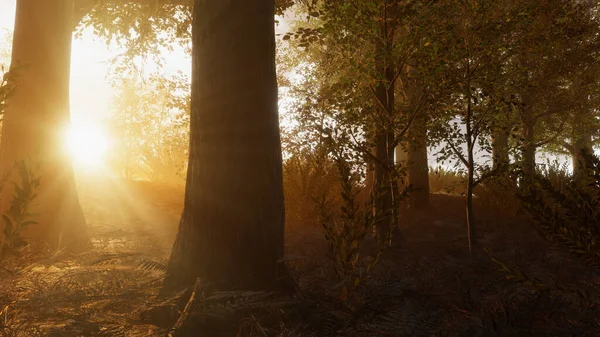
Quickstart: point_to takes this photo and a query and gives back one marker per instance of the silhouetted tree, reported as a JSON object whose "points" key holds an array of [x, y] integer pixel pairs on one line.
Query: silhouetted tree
{"points": [[37, 116], [232, 227]]}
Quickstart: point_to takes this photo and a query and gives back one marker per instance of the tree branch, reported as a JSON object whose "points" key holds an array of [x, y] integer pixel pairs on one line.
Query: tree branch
{"points": [[407, 126], [82, 7], [459, 154], [551, 139], [570, 148]]}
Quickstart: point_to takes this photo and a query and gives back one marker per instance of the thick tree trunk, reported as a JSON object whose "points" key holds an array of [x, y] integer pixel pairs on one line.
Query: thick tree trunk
{"points": [[401, 154], [528, 147], [232, 227], [582, 143], [38, 116], [418, 167], [528, 152]]}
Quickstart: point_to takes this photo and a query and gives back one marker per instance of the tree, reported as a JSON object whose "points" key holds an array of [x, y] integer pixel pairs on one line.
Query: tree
{"points": [[151, 126], [232, 227], [469, 89], [362, 50], [37, 115], [554, 44], [5, 48]]}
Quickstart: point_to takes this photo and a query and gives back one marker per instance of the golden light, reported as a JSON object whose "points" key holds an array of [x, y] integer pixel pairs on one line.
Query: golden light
{"points": [[87, 144]]}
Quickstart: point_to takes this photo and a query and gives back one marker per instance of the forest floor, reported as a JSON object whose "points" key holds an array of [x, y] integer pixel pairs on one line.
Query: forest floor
{"points": [[426, 285]]}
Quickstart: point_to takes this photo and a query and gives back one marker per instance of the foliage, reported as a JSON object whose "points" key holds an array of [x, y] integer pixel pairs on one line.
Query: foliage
{"points": [[446, 181], [19, 216], [306, 175], [567, 211], [139, 27], [5, 47], [538, 285], [151, 122], [347, 230], [6, 88], [498, 193]]}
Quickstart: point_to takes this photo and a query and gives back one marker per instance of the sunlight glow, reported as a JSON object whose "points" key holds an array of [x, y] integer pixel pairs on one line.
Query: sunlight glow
{"points": [[87, 144]]}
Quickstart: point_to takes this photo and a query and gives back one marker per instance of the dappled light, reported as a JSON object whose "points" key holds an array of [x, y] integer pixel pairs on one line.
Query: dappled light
{"points": [[365, 168]]}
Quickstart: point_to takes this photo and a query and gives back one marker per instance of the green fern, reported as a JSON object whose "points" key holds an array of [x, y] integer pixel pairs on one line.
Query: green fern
{"points": [[152, 265], [567, 211], [19, 217]]}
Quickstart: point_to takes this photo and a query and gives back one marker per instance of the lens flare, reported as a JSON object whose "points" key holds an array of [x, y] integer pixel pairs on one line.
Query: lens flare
{"points": [[87, 144]]}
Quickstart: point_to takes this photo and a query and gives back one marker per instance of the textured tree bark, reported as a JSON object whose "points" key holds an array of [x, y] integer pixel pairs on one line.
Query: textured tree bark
{"points": [[528, 141], [528, 147], [418, 167], [500, 159], [369, 190], [231, 232], [415, 149], [37, 117], [384, 137], [583, 144]]}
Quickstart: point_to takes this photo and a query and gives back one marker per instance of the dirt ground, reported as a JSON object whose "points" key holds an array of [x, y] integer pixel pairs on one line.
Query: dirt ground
{"points": [[426, 285]]}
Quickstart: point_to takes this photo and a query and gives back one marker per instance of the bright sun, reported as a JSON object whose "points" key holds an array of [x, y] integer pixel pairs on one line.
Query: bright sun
{"points": [[87, 144]]}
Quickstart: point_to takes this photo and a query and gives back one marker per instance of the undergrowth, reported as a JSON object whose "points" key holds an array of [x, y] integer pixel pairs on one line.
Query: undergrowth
{"points": [[19, 216], [446, 181], [566, 210]]}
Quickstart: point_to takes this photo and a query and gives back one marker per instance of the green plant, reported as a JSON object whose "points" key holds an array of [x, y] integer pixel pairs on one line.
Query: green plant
{"points": [[346, 229], [6, 88], [446, 181], [151, 123], [308, 173], [498, 193], [539, 286], [18, 217], [565, 210]]}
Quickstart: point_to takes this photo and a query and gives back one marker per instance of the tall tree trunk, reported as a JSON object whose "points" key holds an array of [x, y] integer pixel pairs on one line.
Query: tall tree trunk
{"points": [[38, 116], [385, 213], [416, 146], [418, 167], [582, 143], [383, 191], [500, 159], [232, 227], [370, 179], [471, 228], [528, 141], [401, 154], [528, 146]]}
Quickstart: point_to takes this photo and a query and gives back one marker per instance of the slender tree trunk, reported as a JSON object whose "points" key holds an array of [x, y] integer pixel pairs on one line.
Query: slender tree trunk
{"points": [[382, 188], [470, 139], [37, 118], [370, 179], [384, 133], [232, 227], [472, 238], [401, 163]]}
